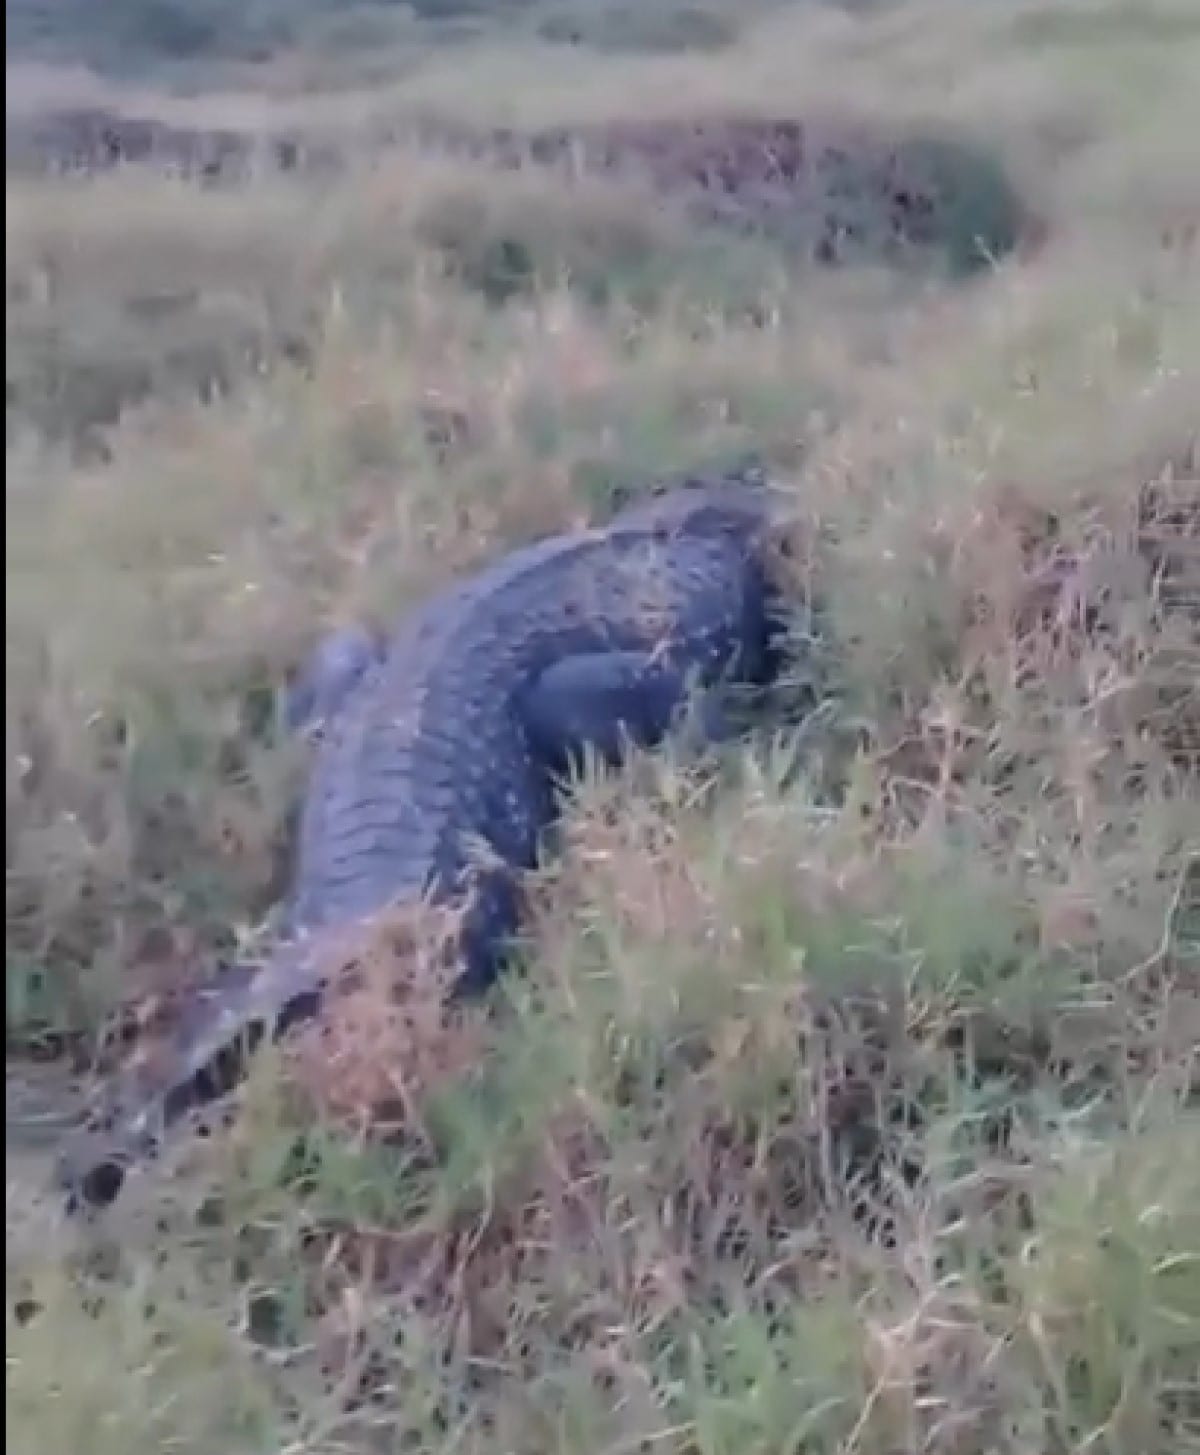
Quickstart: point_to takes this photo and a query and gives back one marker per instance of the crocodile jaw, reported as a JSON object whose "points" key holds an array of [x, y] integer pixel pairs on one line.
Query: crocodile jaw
{"points": [[223, 1021]]}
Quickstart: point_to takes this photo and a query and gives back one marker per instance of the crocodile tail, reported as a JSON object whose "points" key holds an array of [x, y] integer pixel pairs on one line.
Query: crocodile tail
{"points": [[219, 1028]]}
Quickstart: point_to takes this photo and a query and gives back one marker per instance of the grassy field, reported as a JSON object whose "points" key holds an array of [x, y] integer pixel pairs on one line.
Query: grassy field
{"points": [[847, 1101]]}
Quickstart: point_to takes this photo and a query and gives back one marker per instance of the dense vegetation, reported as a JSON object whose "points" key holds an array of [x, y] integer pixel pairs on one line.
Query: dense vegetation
{"points": [[847, 1099]]}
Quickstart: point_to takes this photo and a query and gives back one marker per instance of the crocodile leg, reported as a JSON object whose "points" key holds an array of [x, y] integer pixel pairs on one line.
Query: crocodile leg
{"points": [[335, 667], [487, 934], [601, 702]]}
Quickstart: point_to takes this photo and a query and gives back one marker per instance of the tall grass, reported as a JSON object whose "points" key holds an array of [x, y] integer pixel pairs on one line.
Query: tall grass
{"points": [[846, 1098]]}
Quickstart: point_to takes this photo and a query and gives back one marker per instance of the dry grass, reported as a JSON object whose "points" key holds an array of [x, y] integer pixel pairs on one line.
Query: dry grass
{"points": [[847, 1101]]}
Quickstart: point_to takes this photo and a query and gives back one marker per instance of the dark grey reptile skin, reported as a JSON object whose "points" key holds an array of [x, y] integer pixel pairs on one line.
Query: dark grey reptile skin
{"points": [[455, 730]]}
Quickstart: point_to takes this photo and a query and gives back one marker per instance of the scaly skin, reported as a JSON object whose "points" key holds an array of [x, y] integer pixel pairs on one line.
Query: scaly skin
{"points": [[455, 735]]}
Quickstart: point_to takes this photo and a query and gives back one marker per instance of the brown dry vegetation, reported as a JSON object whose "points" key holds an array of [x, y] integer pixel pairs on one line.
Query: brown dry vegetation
{"points": [[847, 1099]]}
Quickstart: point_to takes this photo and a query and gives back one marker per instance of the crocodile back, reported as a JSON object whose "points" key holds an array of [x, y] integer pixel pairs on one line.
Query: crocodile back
{"points": [[429, 754], [430, 751]]}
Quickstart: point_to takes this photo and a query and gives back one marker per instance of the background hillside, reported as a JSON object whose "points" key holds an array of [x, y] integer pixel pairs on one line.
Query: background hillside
{"points": [[847, 1099]]}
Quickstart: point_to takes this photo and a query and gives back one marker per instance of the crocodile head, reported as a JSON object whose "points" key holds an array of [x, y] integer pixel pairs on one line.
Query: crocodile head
{"points": [[185, 1077]]}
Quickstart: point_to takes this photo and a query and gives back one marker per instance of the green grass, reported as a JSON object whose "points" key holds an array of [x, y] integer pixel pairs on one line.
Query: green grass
{"points": [[847, 1099], [187, 43]]}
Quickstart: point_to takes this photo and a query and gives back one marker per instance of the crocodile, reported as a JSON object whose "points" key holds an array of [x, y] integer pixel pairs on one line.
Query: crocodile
{"points": [[456, 729]]}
